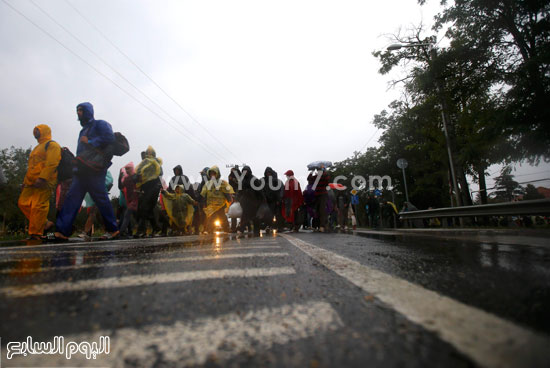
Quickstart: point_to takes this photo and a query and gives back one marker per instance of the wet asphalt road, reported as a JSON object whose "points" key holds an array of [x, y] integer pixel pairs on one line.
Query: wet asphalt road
{"points": [[292, 300]]}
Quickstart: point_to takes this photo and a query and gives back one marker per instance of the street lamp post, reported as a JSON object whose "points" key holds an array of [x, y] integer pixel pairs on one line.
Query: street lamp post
{"points": [[397, 46]]}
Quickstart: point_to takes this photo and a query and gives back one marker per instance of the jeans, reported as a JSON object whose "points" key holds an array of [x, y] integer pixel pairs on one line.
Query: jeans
{"points": [[82, 184]]}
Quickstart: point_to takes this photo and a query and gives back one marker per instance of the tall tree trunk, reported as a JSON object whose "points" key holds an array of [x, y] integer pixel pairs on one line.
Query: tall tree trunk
{"points": [[465, 188], [480, 169]]}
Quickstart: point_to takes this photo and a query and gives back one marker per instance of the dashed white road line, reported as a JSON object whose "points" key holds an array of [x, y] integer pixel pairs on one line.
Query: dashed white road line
{"points": [[145, 262], [485, 338], [191, 343], [139, 280]]}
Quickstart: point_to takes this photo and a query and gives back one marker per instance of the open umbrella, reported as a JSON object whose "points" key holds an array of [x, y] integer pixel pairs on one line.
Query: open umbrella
{"points": [[337, 186], [319, 165]]}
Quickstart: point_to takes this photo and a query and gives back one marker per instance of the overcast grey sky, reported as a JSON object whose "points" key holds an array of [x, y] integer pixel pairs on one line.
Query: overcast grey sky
{"points": [[278, 83]]}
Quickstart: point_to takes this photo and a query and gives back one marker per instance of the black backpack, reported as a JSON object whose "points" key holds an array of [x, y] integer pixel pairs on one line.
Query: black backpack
{"points": [[121, 145], [66, 164]]}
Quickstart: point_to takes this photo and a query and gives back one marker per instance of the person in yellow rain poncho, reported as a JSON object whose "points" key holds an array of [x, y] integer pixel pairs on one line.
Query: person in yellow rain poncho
{"points": [[218, 195], [40, 179], [149, 169], [179, 207], [148, 183]]}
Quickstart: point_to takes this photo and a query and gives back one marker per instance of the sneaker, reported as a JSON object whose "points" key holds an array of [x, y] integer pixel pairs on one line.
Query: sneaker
{"points": [[111, 236], [59, 238], [84, 235]]}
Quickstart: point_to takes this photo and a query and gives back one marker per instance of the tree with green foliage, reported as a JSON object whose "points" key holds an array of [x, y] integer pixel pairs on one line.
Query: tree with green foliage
{"points": [[507, 189], [14, 164], [490, 84], [405, 136], [513, 39], [532, 193], [444, 82]]}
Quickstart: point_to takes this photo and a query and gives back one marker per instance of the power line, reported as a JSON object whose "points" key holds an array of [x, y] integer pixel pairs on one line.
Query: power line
{"points": [[525, 182], [537, 173], [204, 146], [151, 79], [370, 139], [93, 67]]}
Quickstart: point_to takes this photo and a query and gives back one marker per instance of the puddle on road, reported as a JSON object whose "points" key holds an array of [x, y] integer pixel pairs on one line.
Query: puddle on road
{"points": [[23, 261], [417, 249]]}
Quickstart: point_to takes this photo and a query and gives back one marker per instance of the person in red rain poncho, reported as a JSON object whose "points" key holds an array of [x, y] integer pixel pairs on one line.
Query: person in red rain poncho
{"points": [[131, 195], [293, 199]]}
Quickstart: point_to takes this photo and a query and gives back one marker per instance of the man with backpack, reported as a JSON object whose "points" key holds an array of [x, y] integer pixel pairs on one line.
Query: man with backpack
{"points": [[93, 154], [39, 181]]}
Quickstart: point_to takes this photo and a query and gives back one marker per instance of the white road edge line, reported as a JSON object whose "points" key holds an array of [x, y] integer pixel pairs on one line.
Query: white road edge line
{"points": [[139, 280], [483, 337], [142, 262], [194, 342]]}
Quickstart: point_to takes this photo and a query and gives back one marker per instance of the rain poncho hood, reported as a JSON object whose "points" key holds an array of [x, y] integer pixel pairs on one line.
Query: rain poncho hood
{"points": [[214, 169], [45, 133], [129, 169], [234, 177], [150, 168], [250, 182], [87, 113], [248, 178], [179, 207], [272, 186], [248, 171], [216, 192], [270, 171], [180, 179], [43, 163]]}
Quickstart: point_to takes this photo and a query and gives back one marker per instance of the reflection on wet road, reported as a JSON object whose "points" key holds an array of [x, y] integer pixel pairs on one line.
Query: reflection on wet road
{"points": [[303, 299]]}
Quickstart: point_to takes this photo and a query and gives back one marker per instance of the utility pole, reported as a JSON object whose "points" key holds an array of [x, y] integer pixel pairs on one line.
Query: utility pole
{"points": [[431, 55]]}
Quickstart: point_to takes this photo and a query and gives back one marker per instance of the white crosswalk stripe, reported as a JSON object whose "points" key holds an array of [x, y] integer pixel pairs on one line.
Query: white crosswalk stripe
{"points": [[145, 262], [138, 280], [81, 250], [485, 338], [189, 343], [127, 243]]}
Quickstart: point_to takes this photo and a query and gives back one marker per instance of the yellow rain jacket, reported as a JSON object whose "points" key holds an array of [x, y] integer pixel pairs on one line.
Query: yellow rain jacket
{"points": [[393, 206], [215, 191], [149, 168], [179, 207], [35, 202], [43, 163]]}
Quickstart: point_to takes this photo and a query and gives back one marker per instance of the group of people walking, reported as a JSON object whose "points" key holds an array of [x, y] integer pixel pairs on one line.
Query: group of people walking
{"points": [[145, 199], [89, 169]]}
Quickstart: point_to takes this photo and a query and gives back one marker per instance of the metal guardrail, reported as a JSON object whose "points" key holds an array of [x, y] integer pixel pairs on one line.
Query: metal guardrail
{"points": [[532, 207]]}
